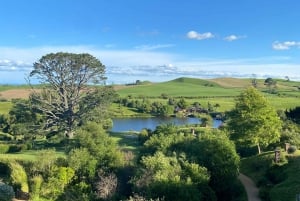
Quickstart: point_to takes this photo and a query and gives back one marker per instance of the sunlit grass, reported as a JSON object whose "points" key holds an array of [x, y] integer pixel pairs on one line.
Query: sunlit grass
{"points": [[28, 155], [5, 107]]}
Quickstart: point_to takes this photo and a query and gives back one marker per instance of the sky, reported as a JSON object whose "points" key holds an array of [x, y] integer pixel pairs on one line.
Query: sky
{"points": [[155, 40]]}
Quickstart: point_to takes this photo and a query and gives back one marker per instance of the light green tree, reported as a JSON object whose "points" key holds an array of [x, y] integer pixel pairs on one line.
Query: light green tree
{"points": [[254, 121]]}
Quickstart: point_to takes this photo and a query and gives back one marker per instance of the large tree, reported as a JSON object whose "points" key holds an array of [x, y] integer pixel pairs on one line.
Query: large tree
{"points": [[253, 121], [70, 88]]}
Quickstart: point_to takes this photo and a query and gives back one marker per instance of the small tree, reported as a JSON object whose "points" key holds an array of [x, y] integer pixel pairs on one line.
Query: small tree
{"points": [[271, 84], [253, 121]]}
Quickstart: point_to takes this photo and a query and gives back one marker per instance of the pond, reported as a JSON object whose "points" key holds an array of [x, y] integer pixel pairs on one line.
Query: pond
{"points": [[137, 124]]}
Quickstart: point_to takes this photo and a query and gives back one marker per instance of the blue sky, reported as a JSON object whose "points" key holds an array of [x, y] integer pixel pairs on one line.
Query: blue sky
{"points": [[155, 40]]}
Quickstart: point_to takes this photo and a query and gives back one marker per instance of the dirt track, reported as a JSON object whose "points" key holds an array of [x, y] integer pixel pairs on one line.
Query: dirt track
{"points": [[250, 187]]}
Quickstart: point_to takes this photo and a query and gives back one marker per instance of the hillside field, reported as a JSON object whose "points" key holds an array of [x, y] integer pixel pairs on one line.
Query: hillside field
{"points": [[220, 90]]}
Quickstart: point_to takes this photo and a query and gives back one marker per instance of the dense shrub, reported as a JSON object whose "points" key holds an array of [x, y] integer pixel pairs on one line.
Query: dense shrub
{"points": [[292, 149], [35, 186], [4, 148], [18, 176], [6, 192], [14, 148], [6, 136]]}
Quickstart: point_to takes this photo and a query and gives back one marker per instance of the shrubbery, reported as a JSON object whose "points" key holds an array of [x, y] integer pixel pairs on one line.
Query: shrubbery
{"points": [[6, 192], [4, 148], [292, 149]]}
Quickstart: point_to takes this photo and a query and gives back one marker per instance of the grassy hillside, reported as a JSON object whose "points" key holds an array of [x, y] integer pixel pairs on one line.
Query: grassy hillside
{"points": [[193, 87], [186, 87], [219, 90]]}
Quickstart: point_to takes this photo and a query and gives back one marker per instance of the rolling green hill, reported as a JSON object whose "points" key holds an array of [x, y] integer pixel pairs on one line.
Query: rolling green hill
{"points": [[193, 87], [185, 87]]}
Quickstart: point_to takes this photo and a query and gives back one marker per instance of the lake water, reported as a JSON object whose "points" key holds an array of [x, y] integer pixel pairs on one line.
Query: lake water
{"points": [[137, 124]]}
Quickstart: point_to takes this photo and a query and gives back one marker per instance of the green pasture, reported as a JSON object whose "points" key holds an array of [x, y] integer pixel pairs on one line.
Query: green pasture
{"points": [[8, 87], [5, 107], [182, 87], [128, 141], [28, 155]]}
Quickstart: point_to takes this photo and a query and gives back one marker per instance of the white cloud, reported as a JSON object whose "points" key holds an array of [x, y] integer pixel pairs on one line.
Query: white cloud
{"points": [[199, 36], [153, 47], [233, 37], [285, 45], [123, 66]]}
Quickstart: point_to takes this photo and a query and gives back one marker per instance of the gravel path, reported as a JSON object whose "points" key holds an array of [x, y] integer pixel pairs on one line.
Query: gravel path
{"points": [[251, 189]]}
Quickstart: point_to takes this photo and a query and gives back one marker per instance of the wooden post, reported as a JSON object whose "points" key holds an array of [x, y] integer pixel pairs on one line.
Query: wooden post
{"points": [[277, 155], [287, 146]]}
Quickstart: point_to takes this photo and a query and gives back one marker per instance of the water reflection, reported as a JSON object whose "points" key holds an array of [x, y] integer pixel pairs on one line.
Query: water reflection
{"points": [[137, 124]]}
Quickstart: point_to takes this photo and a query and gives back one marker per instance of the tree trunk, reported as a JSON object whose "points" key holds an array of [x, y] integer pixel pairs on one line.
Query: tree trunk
{"points": [[258, 147]]}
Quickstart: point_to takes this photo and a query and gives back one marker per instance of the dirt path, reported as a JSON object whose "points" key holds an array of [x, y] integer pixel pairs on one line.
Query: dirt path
{"points": [[251, 189]]}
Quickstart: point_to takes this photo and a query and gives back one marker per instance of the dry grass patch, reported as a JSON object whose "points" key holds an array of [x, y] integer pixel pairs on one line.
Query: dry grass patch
{"points": [[15, 93], [232, 82]]}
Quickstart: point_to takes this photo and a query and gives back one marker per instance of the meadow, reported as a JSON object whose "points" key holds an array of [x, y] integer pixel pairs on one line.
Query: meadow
{"points": [[220, 91]]}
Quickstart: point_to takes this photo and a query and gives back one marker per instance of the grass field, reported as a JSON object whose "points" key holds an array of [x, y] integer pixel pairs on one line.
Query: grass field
{"points": [[28, 155], [5, 107], [182, 87], [220, 91]]}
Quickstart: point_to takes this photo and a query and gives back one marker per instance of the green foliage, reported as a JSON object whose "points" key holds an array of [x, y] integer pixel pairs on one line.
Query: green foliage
{"points": [[68, 95], [4, 148], [217, 153], [206, 120], [136, 197], [170, 178], [277, 182], [253, 121], [45, 162], [60, 177], [6, 192], [294, 114], [35, 186], [77, 192], [82, 162], [100, 145], [292, 149], [290, 133], [18, 176]]}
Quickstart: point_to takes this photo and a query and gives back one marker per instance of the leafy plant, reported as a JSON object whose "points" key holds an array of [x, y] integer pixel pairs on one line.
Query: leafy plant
{"points": [[6, 192]]}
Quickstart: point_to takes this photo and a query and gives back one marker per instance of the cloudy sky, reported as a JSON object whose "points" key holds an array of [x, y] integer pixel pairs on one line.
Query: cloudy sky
{"points": [[155, 40]]}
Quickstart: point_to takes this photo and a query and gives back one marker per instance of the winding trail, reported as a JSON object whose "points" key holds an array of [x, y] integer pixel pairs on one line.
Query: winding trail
{"points": [[251, 189]]}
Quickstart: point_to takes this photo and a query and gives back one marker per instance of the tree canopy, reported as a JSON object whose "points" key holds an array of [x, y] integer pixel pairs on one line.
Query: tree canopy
{"points": [[253, 121], [68, 92]]}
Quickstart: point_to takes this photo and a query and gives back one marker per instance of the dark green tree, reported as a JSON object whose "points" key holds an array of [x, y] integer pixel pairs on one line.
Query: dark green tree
{"points": [[217, 153], [271, 84], [68, 80], [253, 121]]}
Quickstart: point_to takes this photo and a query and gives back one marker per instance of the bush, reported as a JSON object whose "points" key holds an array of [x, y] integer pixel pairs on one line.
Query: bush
{"points": [[36, 183], [6, 192], [14, 148], [18, 176], [292, 149], [6, 136], [4, 148], [264, 193]]}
